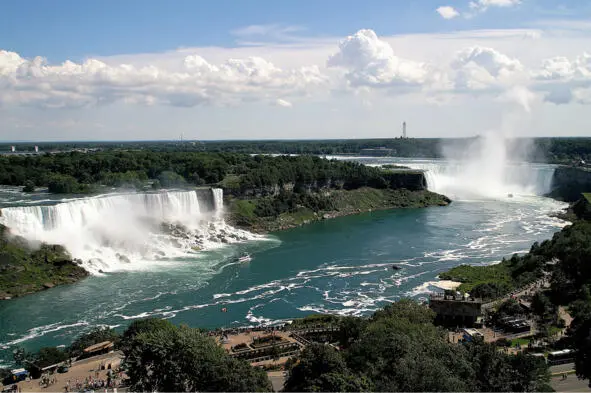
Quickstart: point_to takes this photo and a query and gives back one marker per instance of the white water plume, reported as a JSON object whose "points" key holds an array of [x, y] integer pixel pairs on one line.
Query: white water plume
{"points": [[492, 165], [128, 231]]}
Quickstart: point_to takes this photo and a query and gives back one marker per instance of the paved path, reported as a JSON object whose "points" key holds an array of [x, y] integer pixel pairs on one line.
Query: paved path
{"points": [[561, 368], [277, 379], [570, 384], [79, 370]]}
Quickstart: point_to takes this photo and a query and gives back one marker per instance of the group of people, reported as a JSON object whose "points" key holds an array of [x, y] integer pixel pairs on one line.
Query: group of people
{"points": [[47, 380], [92, 383]]}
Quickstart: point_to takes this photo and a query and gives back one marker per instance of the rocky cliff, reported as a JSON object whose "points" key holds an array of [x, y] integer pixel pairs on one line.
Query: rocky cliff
{"points": [[410, 179], [569, 182]]}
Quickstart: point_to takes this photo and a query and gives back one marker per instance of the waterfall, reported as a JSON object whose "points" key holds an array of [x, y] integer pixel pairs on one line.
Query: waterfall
{"points": [[127, 231], [218, 201], [460, 181]]}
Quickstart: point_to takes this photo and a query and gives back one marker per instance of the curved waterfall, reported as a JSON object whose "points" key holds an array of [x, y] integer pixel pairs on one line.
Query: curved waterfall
{"points": [[128, 231], [459, 180]]}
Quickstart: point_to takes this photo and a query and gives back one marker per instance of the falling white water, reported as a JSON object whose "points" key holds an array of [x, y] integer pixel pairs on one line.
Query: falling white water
{"points": [[462, 180], [128, 231], [493, 165]]}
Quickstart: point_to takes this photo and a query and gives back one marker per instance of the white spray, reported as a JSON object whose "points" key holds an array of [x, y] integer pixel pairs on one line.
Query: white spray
{"points": [[128, 231], [482, 168]]}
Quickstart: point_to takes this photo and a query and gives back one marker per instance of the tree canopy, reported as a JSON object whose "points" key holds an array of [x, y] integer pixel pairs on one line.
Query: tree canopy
{"points": [[183, 359], [399, 349]]}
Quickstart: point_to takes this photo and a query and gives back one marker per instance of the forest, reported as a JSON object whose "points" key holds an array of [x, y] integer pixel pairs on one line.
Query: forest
{"points": [[77, 172], [551, 150]]}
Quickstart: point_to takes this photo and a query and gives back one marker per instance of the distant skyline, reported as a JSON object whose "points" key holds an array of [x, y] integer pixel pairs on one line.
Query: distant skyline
{"points": [[149, 70]]}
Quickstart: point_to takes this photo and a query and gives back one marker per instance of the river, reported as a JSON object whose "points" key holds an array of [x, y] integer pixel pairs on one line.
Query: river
{"points": [[341, 266]]}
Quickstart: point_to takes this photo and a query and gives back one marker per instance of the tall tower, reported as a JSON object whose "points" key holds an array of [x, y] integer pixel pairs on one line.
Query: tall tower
{"points": [[404, 129]]}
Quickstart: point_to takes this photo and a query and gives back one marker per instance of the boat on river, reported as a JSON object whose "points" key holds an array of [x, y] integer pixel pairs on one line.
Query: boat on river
{"points": [[245, 258]]}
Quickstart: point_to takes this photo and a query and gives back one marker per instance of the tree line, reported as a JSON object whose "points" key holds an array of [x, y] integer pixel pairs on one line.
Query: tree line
{"points": [[78, 172], [553, 150]]}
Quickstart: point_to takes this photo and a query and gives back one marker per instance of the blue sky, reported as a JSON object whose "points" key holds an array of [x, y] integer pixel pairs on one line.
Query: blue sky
{"points": [[74, 29], [329, 69]]}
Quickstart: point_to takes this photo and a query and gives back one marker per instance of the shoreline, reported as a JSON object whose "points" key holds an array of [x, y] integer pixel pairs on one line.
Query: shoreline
{"points": [[353, 202]]}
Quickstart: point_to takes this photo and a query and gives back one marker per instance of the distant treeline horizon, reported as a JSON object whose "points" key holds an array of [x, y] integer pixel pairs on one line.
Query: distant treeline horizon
{"points": [[539, 149]]}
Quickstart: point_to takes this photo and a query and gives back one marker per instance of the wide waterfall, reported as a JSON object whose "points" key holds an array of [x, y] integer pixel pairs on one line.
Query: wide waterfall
{"points": [[460, 181], [128, 231]]}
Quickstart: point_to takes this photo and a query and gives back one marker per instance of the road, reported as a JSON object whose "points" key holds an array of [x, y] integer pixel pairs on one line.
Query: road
{"points": [[277, 379], [571, 383]]}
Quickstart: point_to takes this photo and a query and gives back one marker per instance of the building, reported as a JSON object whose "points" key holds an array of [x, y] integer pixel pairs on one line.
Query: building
{"points": [[456, 310], [13, 148], [36, 149], [404, 129]]}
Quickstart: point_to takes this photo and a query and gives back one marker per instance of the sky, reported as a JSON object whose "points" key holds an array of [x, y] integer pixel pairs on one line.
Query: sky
{"points": [[148, 70]]}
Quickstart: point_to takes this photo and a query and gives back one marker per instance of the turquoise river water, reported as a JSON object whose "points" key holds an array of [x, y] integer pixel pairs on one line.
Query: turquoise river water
{"points": [[341, 266]]}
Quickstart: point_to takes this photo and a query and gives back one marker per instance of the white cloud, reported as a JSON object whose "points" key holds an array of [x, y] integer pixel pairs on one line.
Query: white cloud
{"points": [[93, 82], [371, 62], [283, 103], [447, 12], [564, 80], [482, 68], [483, 5], [425, 79], [480, 6]]}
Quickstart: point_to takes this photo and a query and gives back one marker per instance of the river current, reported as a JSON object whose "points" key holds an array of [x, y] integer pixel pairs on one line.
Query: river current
{"points": [[341, 266]]}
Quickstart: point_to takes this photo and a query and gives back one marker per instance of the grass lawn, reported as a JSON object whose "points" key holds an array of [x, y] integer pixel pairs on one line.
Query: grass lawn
{"points": [[520, 341]]}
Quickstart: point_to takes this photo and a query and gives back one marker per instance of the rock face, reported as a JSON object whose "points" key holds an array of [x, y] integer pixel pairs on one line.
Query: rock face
{"points": [[569, 183], [410, 179]]}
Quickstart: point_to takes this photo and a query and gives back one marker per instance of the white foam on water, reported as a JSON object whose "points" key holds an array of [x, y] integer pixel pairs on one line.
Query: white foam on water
{"points": [[40, 331]]}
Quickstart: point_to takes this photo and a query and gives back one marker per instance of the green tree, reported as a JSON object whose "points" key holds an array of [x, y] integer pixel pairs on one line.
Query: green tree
{"points": [[29, 186], [542, 306], [322, 369], [182, 359], [142, 326], [580, 335], [48, 356], [171, 179], [95, 336]]}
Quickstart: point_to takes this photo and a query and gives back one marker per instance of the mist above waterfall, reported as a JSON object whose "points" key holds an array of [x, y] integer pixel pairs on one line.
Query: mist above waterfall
{"points": [[493, 164], [128, 231]]}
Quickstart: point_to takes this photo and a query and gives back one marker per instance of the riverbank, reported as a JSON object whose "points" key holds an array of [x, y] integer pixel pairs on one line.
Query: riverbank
{"points": [[243, 212], [25, 270]]}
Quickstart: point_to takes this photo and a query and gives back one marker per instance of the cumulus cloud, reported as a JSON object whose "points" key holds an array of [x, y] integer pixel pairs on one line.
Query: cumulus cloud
{"points": [[565, 80], [371, 62], [362, 63], [482, 68], [93, 82], [447, 12]]}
